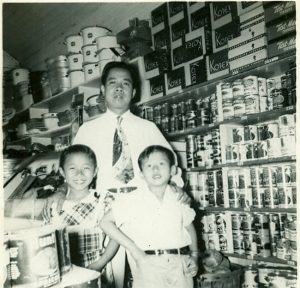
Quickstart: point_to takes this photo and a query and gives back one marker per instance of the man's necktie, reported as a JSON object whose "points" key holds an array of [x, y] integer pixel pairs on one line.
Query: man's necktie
{"points": [[122, 163]]}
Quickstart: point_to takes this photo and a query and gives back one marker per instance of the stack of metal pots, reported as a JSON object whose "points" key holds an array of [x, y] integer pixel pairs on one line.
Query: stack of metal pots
{"points": [[58, 74]]}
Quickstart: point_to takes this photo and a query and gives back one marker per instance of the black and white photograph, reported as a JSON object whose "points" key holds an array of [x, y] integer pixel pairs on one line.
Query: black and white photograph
{"points": [[149, 144]]}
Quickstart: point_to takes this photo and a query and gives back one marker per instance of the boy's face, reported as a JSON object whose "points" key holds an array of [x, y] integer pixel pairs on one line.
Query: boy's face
{"points": [[79, 171], [156, 170]]}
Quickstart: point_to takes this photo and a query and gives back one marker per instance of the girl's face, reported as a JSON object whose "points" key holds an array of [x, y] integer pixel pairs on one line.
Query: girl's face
{"points": [[79, 171]]}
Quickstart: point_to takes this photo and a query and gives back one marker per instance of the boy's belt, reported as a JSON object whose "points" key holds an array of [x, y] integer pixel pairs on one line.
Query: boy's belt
{"points": [[183, 251], [122, 189]]}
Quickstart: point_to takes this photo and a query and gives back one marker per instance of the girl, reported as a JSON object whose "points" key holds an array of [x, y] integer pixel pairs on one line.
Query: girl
{"points": [[83, 210]]}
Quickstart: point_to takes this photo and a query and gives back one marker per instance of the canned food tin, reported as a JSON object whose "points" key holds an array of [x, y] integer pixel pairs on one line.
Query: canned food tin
{"points": [[204, 224], [269, 176], [209, 157], [212, 196], [220, 197], [263, 244], [190, 105], [250, 133], [228, 111], [281, 249], [250, 85], [271, 198], [221, 223], [165, 124], [238, 134], [238, 89], [274, 225], [235, 152], [238, 244], [249, 242], [233, 178], [223, 243], [174, 110], [248, 151], [191, 119], [228, 154], [181, 108], [199, 158], [262, 150], [257, 197], [274, 147], [236, 221], [213, 241], [252, 103], [262, 86], [285, 197], [250, 277], [286, 125], [288, 145], [244, 178], [227, 94], [234, 197], [157, 111], [211, 221], [247, 220], [192, 179], [256, 176], [239, 109], [165, 109], [271, 130], [263, 103], [246, 198]]}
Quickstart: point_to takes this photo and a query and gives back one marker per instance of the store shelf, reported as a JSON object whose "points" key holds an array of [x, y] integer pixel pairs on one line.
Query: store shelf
{"points": [[44, 134], [243, 120], [263, 259], [66, 96], [254, 162], [266, 68], [250, 210]]}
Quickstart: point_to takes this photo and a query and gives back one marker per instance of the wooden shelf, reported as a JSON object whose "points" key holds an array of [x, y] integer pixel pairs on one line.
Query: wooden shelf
{"points": [[43, 134], [266, 68], [66, 96], [244, 120], [263, 259]]}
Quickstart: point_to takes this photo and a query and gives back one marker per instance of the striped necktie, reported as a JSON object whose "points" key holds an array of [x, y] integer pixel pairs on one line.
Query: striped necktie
{"points": [[122, 163]]}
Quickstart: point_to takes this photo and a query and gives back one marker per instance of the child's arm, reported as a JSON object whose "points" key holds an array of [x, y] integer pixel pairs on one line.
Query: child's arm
{"points": [[192, 266], [108, 225], [109, 253]]}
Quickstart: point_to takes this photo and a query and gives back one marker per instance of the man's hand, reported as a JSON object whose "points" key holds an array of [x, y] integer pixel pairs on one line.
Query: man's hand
{"points": [[182, 196], [58, 198], [190, 266]]}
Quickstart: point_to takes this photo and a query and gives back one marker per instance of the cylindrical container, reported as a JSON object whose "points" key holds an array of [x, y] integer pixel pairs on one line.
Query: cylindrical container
{"points": [[75, 62], [228, 154], [274, 147], [238, 134], [76, 77], [212, 241], [250, 133], [237, 239], [60, 61], [221, 223], [262, 149], [286, 125], [250, 85], [252, 103], [235, 152], [248, 151], [63, 250], [258, 197], [90, 33], [236, 221], [250, 277], [261, 221], [274, 225], [239, 108], [74, 43], [190, 150], [20, 75], [285, 197], [288, 145], [249, 242], [271, 198], [234, 197], [212, 197], [238, 89], [50, 120], [233, 178], [226, 91], [228, 111], [223, 243], [106, 41], [247, 222], [90, 54], [91, 71], [203, 189], [192, 180], [33, 257]]}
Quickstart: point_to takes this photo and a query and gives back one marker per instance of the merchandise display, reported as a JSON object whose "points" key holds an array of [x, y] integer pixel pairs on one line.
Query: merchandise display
{"points": [[219, 80]]}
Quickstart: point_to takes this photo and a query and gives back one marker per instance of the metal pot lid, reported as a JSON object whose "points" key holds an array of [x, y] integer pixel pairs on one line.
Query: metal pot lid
{"points": [[73, 35]]}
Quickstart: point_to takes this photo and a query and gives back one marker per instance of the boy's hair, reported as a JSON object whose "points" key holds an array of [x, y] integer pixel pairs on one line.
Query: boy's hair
{"points": [[156, 148], [77, 148], [126, 66]]}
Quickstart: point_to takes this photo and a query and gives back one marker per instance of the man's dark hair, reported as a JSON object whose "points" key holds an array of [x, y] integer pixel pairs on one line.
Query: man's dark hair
{"points": [[126, 66], [156, 148]]}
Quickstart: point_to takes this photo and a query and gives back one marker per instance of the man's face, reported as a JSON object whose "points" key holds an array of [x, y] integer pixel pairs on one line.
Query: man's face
{"points": [[118, 90]]}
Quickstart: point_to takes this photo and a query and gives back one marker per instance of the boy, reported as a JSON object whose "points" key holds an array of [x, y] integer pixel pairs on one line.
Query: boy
{"points": [[155, 228]]}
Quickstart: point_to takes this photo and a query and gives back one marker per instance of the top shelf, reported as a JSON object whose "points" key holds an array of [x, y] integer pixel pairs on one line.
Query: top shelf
{"points": [[267, 68], [67, 95]]}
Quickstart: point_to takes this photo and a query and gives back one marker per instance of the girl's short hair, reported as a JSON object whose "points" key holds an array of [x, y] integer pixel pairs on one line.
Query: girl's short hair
{"points": [[77, 148], [156, 148]]}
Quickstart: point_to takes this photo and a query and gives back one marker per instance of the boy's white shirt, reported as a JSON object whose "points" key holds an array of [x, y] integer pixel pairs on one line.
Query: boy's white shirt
{"points": [[152, 224]]}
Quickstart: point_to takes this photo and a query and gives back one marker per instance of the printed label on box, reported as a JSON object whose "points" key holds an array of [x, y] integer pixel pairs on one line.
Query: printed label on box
{"points": [[218, 62], [225, 33], [176, 7], [162, 39], [281, 28], [198, 72], [201, 18], [175, 79], [179, 29], [179, 55], [157, 85], [279, 9], [159, 15], [194, 48], [221, 9], [282, 46]]}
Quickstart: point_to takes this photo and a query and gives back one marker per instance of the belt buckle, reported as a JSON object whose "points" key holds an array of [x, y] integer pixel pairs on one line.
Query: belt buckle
{"points": [[160, 252]]}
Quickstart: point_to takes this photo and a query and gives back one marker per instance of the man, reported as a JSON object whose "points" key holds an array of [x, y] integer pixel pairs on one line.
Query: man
{"points": [[119, 85]]}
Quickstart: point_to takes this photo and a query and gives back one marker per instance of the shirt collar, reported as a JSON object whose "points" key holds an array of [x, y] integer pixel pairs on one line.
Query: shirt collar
{"points": [[113, 115]]}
